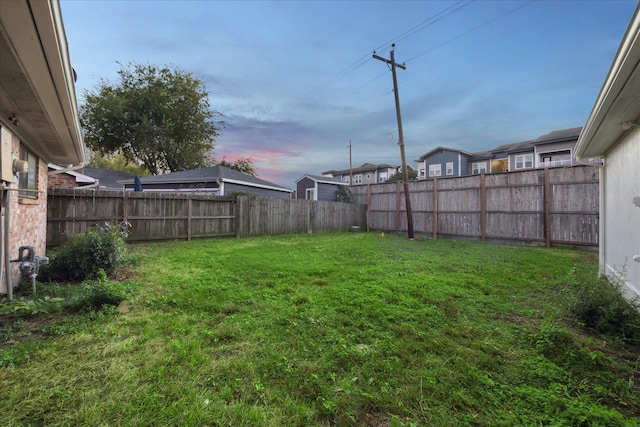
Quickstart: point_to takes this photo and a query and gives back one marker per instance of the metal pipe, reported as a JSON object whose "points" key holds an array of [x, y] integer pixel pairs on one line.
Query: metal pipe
{"points": [[2, 197], [6, 200]]}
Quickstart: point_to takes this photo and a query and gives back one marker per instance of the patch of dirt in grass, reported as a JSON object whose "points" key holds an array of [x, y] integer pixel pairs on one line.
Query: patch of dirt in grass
{"points": [[18, 329], [375, 420]]}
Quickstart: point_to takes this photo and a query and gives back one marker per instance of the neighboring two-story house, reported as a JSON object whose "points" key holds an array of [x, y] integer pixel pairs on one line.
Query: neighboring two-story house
{"points": [[551, 150], [368, 173], [443, 161]]}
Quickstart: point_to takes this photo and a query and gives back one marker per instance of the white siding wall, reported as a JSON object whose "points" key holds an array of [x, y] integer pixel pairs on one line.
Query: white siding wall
{"points": [[619, 216]]}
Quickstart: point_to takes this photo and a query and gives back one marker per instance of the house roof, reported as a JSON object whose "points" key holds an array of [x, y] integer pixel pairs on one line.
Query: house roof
{"points": [[108, 178], [439, 148], [80, 177], [209, 174], [514, 147], [363, 168], [618, 101], [323, 179], [529, 145], [37, 81]]}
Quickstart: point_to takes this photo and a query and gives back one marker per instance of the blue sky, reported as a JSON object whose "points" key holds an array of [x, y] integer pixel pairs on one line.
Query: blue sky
{"points": [[296, 81]]}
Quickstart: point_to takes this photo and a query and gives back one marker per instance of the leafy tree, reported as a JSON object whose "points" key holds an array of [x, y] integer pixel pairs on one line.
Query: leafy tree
{"points": [[412, 174], [157, 117], [116, 163], [243, 165]]}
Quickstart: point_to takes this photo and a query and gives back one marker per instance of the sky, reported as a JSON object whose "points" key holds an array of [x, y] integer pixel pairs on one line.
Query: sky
{"points": [[300, 91]]}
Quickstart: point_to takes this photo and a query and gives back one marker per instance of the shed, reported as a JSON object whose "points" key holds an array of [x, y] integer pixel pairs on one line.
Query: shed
{"points": [[317, 187]]}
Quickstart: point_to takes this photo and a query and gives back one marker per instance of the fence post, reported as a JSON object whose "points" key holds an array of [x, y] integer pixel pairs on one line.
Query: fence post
{"points": [[483, 207], [189, 215], [368, 212], [124, 206], [547, 208], [239, 206], [435, 208], [398, 206]]}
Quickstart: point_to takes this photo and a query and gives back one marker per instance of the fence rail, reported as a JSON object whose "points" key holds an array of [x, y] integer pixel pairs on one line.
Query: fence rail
{"points": [[171, 216], [557, 206]]}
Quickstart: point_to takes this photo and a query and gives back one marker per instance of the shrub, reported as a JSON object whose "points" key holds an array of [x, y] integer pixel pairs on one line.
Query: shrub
{"points": [[85, 254], [96, 294], [344, 194], [601, 306]]}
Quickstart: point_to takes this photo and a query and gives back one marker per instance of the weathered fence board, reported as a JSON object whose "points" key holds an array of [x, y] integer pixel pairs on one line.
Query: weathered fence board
{"points": [[170, 216], [556, 206]]}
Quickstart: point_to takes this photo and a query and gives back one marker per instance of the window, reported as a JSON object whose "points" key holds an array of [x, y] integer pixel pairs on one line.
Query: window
{"points": [[368, 176], [346, 179], [435, 170], [422, 175], [27, 180], [449, 168], [357, 179], [562, 158], [310, 194], [382, 177], [478, 168], [524, 161]]}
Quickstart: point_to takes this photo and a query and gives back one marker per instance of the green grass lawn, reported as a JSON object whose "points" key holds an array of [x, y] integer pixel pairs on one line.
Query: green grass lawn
{"points": [[322, 330]]}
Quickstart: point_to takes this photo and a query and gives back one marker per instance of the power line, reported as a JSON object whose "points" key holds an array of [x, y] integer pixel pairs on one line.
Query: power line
{"points": [[484, 24], [365, 58]]}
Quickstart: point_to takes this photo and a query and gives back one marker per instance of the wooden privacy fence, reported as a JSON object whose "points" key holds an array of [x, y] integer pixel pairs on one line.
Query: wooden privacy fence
{"points": [[557, 206], [170, 216]]}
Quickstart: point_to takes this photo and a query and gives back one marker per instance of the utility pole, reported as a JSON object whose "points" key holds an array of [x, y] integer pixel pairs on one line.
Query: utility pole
{"points": [[405, 174]]}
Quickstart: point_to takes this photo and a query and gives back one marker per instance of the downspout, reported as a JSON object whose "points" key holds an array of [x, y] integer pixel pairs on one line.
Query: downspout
{"points": [[3, 195], [6, 203]]}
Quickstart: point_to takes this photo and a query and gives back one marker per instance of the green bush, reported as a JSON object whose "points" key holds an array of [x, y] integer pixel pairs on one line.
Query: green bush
{"points": [[96, 294], [601, 306], [85, 254]]}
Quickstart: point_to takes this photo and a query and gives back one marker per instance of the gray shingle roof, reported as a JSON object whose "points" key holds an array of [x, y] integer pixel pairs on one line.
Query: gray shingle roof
{"points": [[516, 147], [108, 178], [208, 174], [323, 178], [363, 168]]}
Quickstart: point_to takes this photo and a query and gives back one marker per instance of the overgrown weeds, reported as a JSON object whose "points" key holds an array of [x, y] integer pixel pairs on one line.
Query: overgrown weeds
{"points": [[600, 305]]}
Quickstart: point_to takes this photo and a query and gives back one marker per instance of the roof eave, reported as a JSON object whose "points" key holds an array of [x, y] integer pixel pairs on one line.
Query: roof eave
{"points": [[618, 100], [37, 57]]}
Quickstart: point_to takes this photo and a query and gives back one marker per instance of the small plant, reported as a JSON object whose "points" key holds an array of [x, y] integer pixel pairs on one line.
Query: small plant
{"points": [[96, 294], [81, 258], [601, 306], [41, 305]]}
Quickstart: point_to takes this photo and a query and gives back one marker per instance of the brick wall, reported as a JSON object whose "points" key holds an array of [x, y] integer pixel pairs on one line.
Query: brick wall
{"points": [[28, 218], [62, 180]]}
